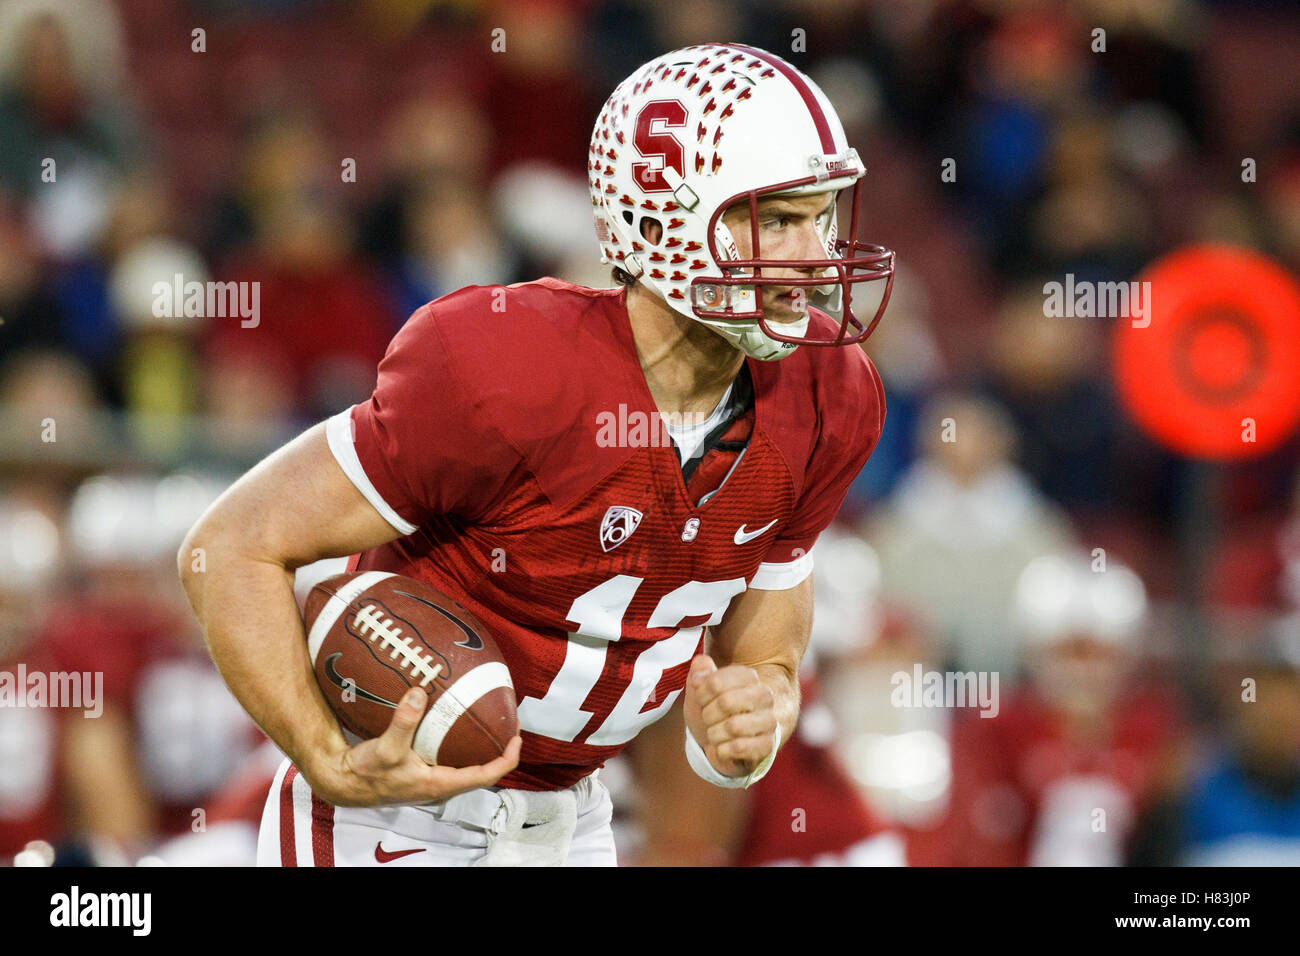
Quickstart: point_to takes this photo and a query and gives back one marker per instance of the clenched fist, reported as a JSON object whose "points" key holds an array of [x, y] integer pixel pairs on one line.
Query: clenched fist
{"points": [[731, 714]]}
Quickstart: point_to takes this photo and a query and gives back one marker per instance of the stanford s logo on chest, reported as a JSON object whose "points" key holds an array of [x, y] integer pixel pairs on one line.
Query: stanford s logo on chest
{"points": [[617, 526]]}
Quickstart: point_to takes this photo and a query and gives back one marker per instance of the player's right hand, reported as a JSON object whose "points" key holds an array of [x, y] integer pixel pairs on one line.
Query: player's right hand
{"points": [[386, 771]]}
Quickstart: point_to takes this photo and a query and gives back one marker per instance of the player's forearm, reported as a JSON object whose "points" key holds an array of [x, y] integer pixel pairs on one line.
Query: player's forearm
{"points": [[254, 632], [105, 794]]}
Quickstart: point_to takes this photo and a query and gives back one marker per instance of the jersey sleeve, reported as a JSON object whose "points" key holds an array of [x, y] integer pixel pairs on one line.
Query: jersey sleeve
{"points": [[846, 442], [424, 444]]}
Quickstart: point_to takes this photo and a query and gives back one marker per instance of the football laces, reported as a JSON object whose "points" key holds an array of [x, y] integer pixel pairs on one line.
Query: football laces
{"points": [[379, 630]]}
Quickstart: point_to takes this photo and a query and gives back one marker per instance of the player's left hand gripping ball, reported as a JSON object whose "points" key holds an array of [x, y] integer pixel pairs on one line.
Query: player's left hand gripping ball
{"points": [[731, 714]]}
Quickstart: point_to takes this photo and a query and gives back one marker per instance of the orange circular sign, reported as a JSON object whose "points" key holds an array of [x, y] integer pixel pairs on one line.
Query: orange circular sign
{"points": [[1211, 366]]}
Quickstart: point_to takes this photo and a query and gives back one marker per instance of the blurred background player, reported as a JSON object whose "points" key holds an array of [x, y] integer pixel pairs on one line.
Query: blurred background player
{"points": [[958, 528], [170, 733], [1058, 776]]}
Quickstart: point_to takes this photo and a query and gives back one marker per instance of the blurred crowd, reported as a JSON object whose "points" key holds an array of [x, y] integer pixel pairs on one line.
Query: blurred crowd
{"points": [[357, 159]]}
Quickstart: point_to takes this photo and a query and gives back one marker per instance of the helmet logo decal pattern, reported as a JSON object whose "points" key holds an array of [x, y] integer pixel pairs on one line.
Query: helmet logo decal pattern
{"points": [[661, 148]]}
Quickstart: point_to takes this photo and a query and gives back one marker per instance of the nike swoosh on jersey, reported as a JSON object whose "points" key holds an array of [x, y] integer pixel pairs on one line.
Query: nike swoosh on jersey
{"points": [[338, 680], [744, 537], [472, 641], [385, 856]]}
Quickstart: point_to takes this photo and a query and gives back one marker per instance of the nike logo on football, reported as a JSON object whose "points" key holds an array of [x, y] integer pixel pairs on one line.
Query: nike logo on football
{"points": [[744, 537], [384, 856], [472, 641], [347, 683]]}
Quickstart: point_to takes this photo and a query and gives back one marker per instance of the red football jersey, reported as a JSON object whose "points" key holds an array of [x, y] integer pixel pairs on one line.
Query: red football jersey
{"points": [[512, 438]]}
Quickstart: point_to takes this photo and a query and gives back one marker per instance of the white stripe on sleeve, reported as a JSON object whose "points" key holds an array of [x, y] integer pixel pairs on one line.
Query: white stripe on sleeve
{"points": [[338, 431], [782, 577]]}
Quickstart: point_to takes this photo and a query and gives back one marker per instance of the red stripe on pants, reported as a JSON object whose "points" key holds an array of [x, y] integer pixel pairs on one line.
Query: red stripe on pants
{"points": [[322, 832], [288, 853]]}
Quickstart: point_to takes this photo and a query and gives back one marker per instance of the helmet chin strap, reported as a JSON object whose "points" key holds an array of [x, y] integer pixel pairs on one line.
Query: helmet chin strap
{"points": [[753, 341]]}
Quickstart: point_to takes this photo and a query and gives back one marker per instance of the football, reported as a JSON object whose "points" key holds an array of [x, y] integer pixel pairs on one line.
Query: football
{"points": [[374, 635]]}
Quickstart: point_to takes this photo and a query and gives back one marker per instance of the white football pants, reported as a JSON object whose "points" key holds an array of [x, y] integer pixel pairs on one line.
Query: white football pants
{"points": [[486, 827]]}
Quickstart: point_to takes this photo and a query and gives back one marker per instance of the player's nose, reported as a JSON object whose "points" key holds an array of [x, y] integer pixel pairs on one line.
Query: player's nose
{"points": [[810, 247]]}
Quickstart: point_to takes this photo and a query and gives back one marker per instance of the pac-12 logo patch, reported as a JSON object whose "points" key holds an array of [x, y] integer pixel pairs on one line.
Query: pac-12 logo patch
{"points": [[617, 526]]}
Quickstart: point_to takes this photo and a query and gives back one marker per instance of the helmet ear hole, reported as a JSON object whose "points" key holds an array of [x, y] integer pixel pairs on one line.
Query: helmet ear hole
{"points": [[652, 230], [627, 217]]}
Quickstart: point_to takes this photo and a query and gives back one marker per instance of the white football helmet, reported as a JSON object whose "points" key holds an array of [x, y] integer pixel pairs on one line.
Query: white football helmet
{"points": [[1063, 596], [693, 133]]}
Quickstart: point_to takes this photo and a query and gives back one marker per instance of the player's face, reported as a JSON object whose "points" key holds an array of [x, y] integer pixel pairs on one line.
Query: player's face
{"points": [[1271, 727], [789, 227], [1081, 675]]}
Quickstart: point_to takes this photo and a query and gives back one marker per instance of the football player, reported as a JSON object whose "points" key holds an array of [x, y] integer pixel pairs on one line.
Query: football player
{"points": [[167, 734], [1058, 776], [600, 475]]}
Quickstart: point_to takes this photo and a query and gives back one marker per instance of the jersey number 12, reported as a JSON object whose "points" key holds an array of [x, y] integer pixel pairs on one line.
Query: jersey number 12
{"points": [[599, 616]]}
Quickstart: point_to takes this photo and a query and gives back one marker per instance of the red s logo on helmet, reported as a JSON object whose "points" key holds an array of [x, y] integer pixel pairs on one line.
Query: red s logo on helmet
{"points": [[652, 140]]}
